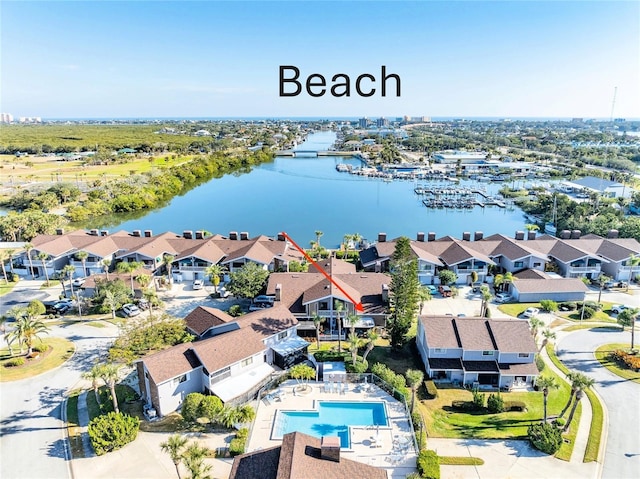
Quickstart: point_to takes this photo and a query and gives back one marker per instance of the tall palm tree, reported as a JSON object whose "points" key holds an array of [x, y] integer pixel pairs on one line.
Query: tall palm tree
{"points": [[67, 272], [28, 247], [414, 380], [546, 383], [354, 344], [372, 336], [352, 319], [17, 313], [94, 375], [10, 253], [167, 262], [424, 294], [548, 335], [602, 280], [339, 309], [575, 378], [3, 258], [215, 271], [627, 317], [193, 459], [109, 373], [317, 322], [129, 267], [174, 446], [318, 234], [486, 297], [106, 263], [30, 330], [535, 324], [42, 256], [82, 256], [585, 383], [143, 280]]}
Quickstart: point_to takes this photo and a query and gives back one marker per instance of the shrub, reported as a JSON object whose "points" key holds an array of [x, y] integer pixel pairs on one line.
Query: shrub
{"points": [[429, 464], [235, 310], [191, 407], [518, 406], [540, 364], [395, 381], [40, 348], [238, 444], [112, 431], [209, 407], [322, 356], [549, 305], [495, 403], [560, 422], [545, 437], [432, 390], [14, 362], [588, 312], [478, 399], [359, 366]]}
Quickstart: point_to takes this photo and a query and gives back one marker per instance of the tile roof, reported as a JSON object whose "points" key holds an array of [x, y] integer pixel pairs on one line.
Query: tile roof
{"points": [[203, 318], [171, 362], [552, 285], [299, 457]]}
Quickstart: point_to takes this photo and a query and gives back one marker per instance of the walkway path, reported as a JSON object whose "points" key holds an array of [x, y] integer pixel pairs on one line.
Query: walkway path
{"points": [[83, 422]]}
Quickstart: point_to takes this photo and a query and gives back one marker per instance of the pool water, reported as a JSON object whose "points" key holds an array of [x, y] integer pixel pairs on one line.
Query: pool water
{"points": [[331, 418]]}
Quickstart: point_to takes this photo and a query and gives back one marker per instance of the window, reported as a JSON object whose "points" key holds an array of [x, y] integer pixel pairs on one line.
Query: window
{"points": [[283, 334], [246, 362], [439, 350], [487, 353], [523, 355], [180, 379], [537, 265], [518, 264], [220, 375]]}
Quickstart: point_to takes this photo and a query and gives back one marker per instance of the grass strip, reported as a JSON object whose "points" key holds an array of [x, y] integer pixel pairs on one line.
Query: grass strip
{"points": [[59, 351], [460, 461], [602, 355], [569, 438], [73, 428]]}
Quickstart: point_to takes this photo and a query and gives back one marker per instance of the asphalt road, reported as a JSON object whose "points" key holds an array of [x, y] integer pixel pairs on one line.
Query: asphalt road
{"points": [[32, 439], [621, 397]]}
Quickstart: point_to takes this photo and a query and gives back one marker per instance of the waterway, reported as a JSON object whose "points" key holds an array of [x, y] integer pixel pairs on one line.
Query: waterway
{"points": [[306, 194]]}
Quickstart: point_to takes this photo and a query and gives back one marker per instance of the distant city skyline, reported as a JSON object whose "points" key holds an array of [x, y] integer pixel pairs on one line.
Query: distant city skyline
{"points": [[145, 59]]}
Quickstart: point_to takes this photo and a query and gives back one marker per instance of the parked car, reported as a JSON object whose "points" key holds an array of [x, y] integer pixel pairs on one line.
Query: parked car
{"points": [[503, 297], [530, 312], [198, 284], [445, 291], [432, 289], [143, 304], [130, 310], [222, 291], [263, 298], [78, 282], [618, 308]]}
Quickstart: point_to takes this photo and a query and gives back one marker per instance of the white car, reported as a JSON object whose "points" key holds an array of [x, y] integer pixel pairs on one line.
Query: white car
{"points": [[222, 291], [198, 284], [618, 308], [130, 310], [530, 312], [503, 297], [78, 282]]}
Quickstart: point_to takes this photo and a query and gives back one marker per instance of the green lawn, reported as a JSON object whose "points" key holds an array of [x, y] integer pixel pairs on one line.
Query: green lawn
{"points": [[577, 327], [516, 309], [602, 355], [60, 350], [6, 287], [73, 429]]}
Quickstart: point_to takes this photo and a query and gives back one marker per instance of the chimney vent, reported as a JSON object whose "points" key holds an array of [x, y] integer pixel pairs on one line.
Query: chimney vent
{"points": [[478, 235], [575, 234], [431, 236], [233, 235], [244, 235], [148, 233], [565, 234], [519, 235], [385, 293], [104, 233], [330, 448], [382, 237], [187, 234], [199, 234], [93, 232], [278, 292], [466, 236], [612, 234], [136, 233], [531, 235], [280, 237], [420, 237]]}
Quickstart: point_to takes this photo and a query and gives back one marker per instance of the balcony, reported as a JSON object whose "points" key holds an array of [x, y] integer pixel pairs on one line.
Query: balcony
{"points": [[584, 269], [191, 268]]}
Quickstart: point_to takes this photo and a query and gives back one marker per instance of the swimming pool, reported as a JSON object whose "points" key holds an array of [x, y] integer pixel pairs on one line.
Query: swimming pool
{"points": [[331, 418]]}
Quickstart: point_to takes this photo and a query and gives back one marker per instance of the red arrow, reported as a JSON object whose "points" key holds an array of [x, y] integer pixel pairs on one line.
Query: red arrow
{"points": [[358, 306]]}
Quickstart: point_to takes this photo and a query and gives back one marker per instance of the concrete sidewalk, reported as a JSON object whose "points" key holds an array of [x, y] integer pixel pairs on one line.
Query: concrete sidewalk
{"points": [[83, 422]]}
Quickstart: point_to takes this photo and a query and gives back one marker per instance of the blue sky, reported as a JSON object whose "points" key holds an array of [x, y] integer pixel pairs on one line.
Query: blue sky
{"points": [[219, 59]]}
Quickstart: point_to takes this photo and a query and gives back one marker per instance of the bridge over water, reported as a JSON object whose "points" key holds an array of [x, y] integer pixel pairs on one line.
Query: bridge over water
{"points": [[314, 153]]}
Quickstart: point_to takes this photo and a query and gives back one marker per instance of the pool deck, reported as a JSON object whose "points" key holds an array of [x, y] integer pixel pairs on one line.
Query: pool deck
{"points": [[390, 447]]}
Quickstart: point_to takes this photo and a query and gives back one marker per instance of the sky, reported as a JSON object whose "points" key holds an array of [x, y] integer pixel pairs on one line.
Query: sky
{"points": [[118, 59]]}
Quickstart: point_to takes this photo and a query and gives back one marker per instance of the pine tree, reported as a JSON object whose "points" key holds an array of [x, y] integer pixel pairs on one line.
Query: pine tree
{"points": [[404, 297]]}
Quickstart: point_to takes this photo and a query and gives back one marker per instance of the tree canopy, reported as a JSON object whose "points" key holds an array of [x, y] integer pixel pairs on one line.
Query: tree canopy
{"points": [[404, 292]]}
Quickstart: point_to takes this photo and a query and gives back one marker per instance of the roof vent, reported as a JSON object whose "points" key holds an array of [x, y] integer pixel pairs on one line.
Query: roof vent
{"points": [[531, 235], [519, 235], [565, 234], [199, 234], [136, 233], [330, 448], [188, 234], [233, 235], [612, 234], [148, 233], [431, 236], [420, 237], [382, 237], [466, 236], [244, 235], [478, 235], [575, 234]]}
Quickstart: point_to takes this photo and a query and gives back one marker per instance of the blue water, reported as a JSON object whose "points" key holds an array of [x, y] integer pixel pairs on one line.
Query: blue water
{"points": [[332, 418], [302, 195]]}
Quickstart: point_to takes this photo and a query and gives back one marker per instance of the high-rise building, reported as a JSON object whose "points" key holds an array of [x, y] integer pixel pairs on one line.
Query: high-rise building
{"points": [[382, 122], [6, 118], [363, 122]]}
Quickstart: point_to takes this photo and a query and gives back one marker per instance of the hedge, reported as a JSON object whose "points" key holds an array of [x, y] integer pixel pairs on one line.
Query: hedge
{"points": [[112, 431], [515, 406], [322, 356], [432, 390], [545, 437], [429, 464]]}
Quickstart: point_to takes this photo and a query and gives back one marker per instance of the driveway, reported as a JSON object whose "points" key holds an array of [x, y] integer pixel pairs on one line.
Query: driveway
{"points": [[621, 397], [33, 442]]}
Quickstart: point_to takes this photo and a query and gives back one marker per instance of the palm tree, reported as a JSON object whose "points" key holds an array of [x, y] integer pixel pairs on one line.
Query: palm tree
{"points": [[414, 379], [244, 414], [627, 317], [109, 374], [548, 335], [3, 258], [486, 297], [372, 336], [94, 374], [82, 256], [151, 297], [602, 280], [68, 271], [575, 378], [317, 322], [10, 253], [30, 330], [112, 301], [129, 267], [424, 295], [174, 446], [18, 313], [352, 320], [318, 234], [535, 324], [546, 383], [106, 263], [28, 247], [339, 309], [167, 262], [193, 460], [354, 344], [143, 280], [42, 256], [498, 281], [215, 271], [585, 383], [347, 239]]}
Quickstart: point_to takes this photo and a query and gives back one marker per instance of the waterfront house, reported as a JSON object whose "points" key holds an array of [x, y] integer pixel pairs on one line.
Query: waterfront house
{"points": [[301, 455], [232, 364], [607, 188], [309, 294], [469, 351]]}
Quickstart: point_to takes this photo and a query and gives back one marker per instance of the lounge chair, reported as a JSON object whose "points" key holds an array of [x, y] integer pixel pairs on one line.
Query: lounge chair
{"points": [[334, 387], [266, 400], [345, 387], [327, 387]]}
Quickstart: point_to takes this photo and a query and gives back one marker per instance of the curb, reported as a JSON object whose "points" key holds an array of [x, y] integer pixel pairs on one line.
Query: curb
{"points": [[67, 448], [605, 430]]}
